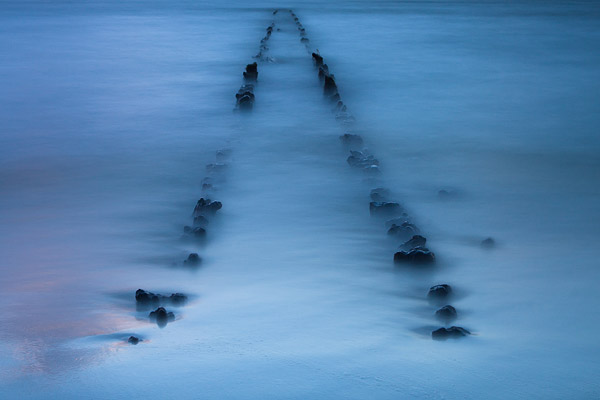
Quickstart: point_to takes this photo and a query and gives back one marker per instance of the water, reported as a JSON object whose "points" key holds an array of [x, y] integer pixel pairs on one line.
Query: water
{"points": [[110, 112]]}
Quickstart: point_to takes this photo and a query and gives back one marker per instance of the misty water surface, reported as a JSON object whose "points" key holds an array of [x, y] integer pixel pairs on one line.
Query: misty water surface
{"points": [[110, 111]]}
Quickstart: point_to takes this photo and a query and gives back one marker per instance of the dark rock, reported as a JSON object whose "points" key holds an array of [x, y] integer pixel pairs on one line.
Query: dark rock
{"points": [[329, 88], [160, 312], [419, 255], [245, 90], [304, 40], [245, 96], [246, 103], [448, 333], [178, 298], [404, 230], [323, 71], [207, 186], [161, 316], [197, 232], [395, 221], [488, 243], [251, 74], [201, 221], [446, 313], [144, 297], [361, 159], [414, 242], [379, 194], [248, 94], [193, 259], [317, 59], [384, 208], [133, 340], [439, 291], [207, 207]]}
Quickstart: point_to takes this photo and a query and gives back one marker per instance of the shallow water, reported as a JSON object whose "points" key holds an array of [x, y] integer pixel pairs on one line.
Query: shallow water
{"points": [[112, 110]]}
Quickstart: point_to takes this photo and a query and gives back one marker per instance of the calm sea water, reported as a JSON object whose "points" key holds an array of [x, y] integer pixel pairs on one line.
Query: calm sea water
{"points": [[110, 111]]}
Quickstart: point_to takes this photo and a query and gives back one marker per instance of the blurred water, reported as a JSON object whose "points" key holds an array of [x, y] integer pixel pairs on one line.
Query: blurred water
{"points": [[110, 112]]}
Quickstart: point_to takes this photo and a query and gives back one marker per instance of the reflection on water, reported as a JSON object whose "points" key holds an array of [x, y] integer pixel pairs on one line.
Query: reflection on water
{"points": [[111, 112]]}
